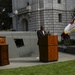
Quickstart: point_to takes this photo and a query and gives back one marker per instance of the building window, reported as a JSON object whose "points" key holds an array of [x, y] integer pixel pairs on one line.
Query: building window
{"points": [[60, 17], [59, 1], [27, 3]]}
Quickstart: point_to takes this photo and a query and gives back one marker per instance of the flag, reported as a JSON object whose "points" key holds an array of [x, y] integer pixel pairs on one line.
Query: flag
{"points": [[70, 27]]}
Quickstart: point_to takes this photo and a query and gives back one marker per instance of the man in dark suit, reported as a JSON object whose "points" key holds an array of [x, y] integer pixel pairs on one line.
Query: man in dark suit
{"points": [[41, 33]]}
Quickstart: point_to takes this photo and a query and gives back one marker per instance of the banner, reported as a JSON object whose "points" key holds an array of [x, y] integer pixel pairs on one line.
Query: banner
{"points": [[70, 27]]}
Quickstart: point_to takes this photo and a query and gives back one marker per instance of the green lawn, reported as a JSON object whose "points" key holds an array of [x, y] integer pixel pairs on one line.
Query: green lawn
{"points": [[59, 68]]}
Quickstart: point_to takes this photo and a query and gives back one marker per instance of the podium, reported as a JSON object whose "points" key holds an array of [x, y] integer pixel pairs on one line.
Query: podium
{"points": [[48, 48], [4, 60], [2, 40]]}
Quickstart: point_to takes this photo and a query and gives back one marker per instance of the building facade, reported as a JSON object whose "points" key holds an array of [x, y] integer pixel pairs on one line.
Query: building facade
{"points": [[53, 14]]}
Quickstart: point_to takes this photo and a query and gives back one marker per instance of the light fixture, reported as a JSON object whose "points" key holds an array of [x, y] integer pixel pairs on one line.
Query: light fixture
{"points": [[16, 15], [16, 12]]}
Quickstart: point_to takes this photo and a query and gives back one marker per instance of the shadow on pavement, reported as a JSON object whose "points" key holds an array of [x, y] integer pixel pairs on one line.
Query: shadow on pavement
{"points": [[25, 61], [67, 49]]}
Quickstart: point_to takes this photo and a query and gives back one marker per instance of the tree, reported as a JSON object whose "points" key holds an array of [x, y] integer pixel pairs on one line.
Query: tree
{"points": [[73, 14], [5, 10]]}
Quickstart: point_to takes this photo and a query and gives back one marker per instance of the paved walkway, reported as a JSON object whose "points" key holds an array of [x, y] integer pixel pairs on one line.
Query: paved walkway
{"points": [[32, 61]]}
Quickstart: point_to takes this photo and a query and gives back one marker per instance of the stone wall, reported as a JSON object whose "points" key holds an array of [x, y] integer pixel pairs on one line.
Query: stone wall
{"points": [[30, 47]]}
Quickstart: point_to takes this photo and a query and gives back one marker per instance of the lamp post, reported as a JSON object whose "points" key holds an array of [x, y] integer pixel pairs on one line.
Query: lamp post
{"points": [[16, 15], [28, 7]]}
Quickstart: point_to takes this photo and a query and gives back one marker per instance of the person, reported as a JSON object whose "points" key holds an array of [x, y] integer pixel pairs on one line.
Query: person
{"points": [[41, 33], [67, 30], [65, 38]]}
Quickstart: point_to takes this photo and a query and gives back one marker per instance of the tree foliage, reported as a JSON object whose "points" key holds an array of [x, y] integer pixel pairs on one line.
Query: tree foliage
{"points": [[73, 14], [5, 10]]}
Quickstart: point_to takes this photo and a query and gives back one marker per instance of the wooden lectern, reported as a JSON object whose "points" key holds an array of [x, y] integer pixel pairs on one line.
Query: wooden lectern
{"points": [[4, 60], [48, 48], [2, 40]]}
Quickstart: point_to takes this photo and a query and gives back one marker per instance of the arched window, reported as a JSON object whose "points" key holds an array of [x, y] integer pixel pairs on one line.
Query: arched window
{"points": [[24, 24]]}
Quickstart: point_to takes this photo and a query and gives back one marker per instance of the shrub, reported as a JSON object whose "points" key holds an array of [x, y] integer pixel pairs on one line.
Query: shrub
{"points": [[71, 42]]}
